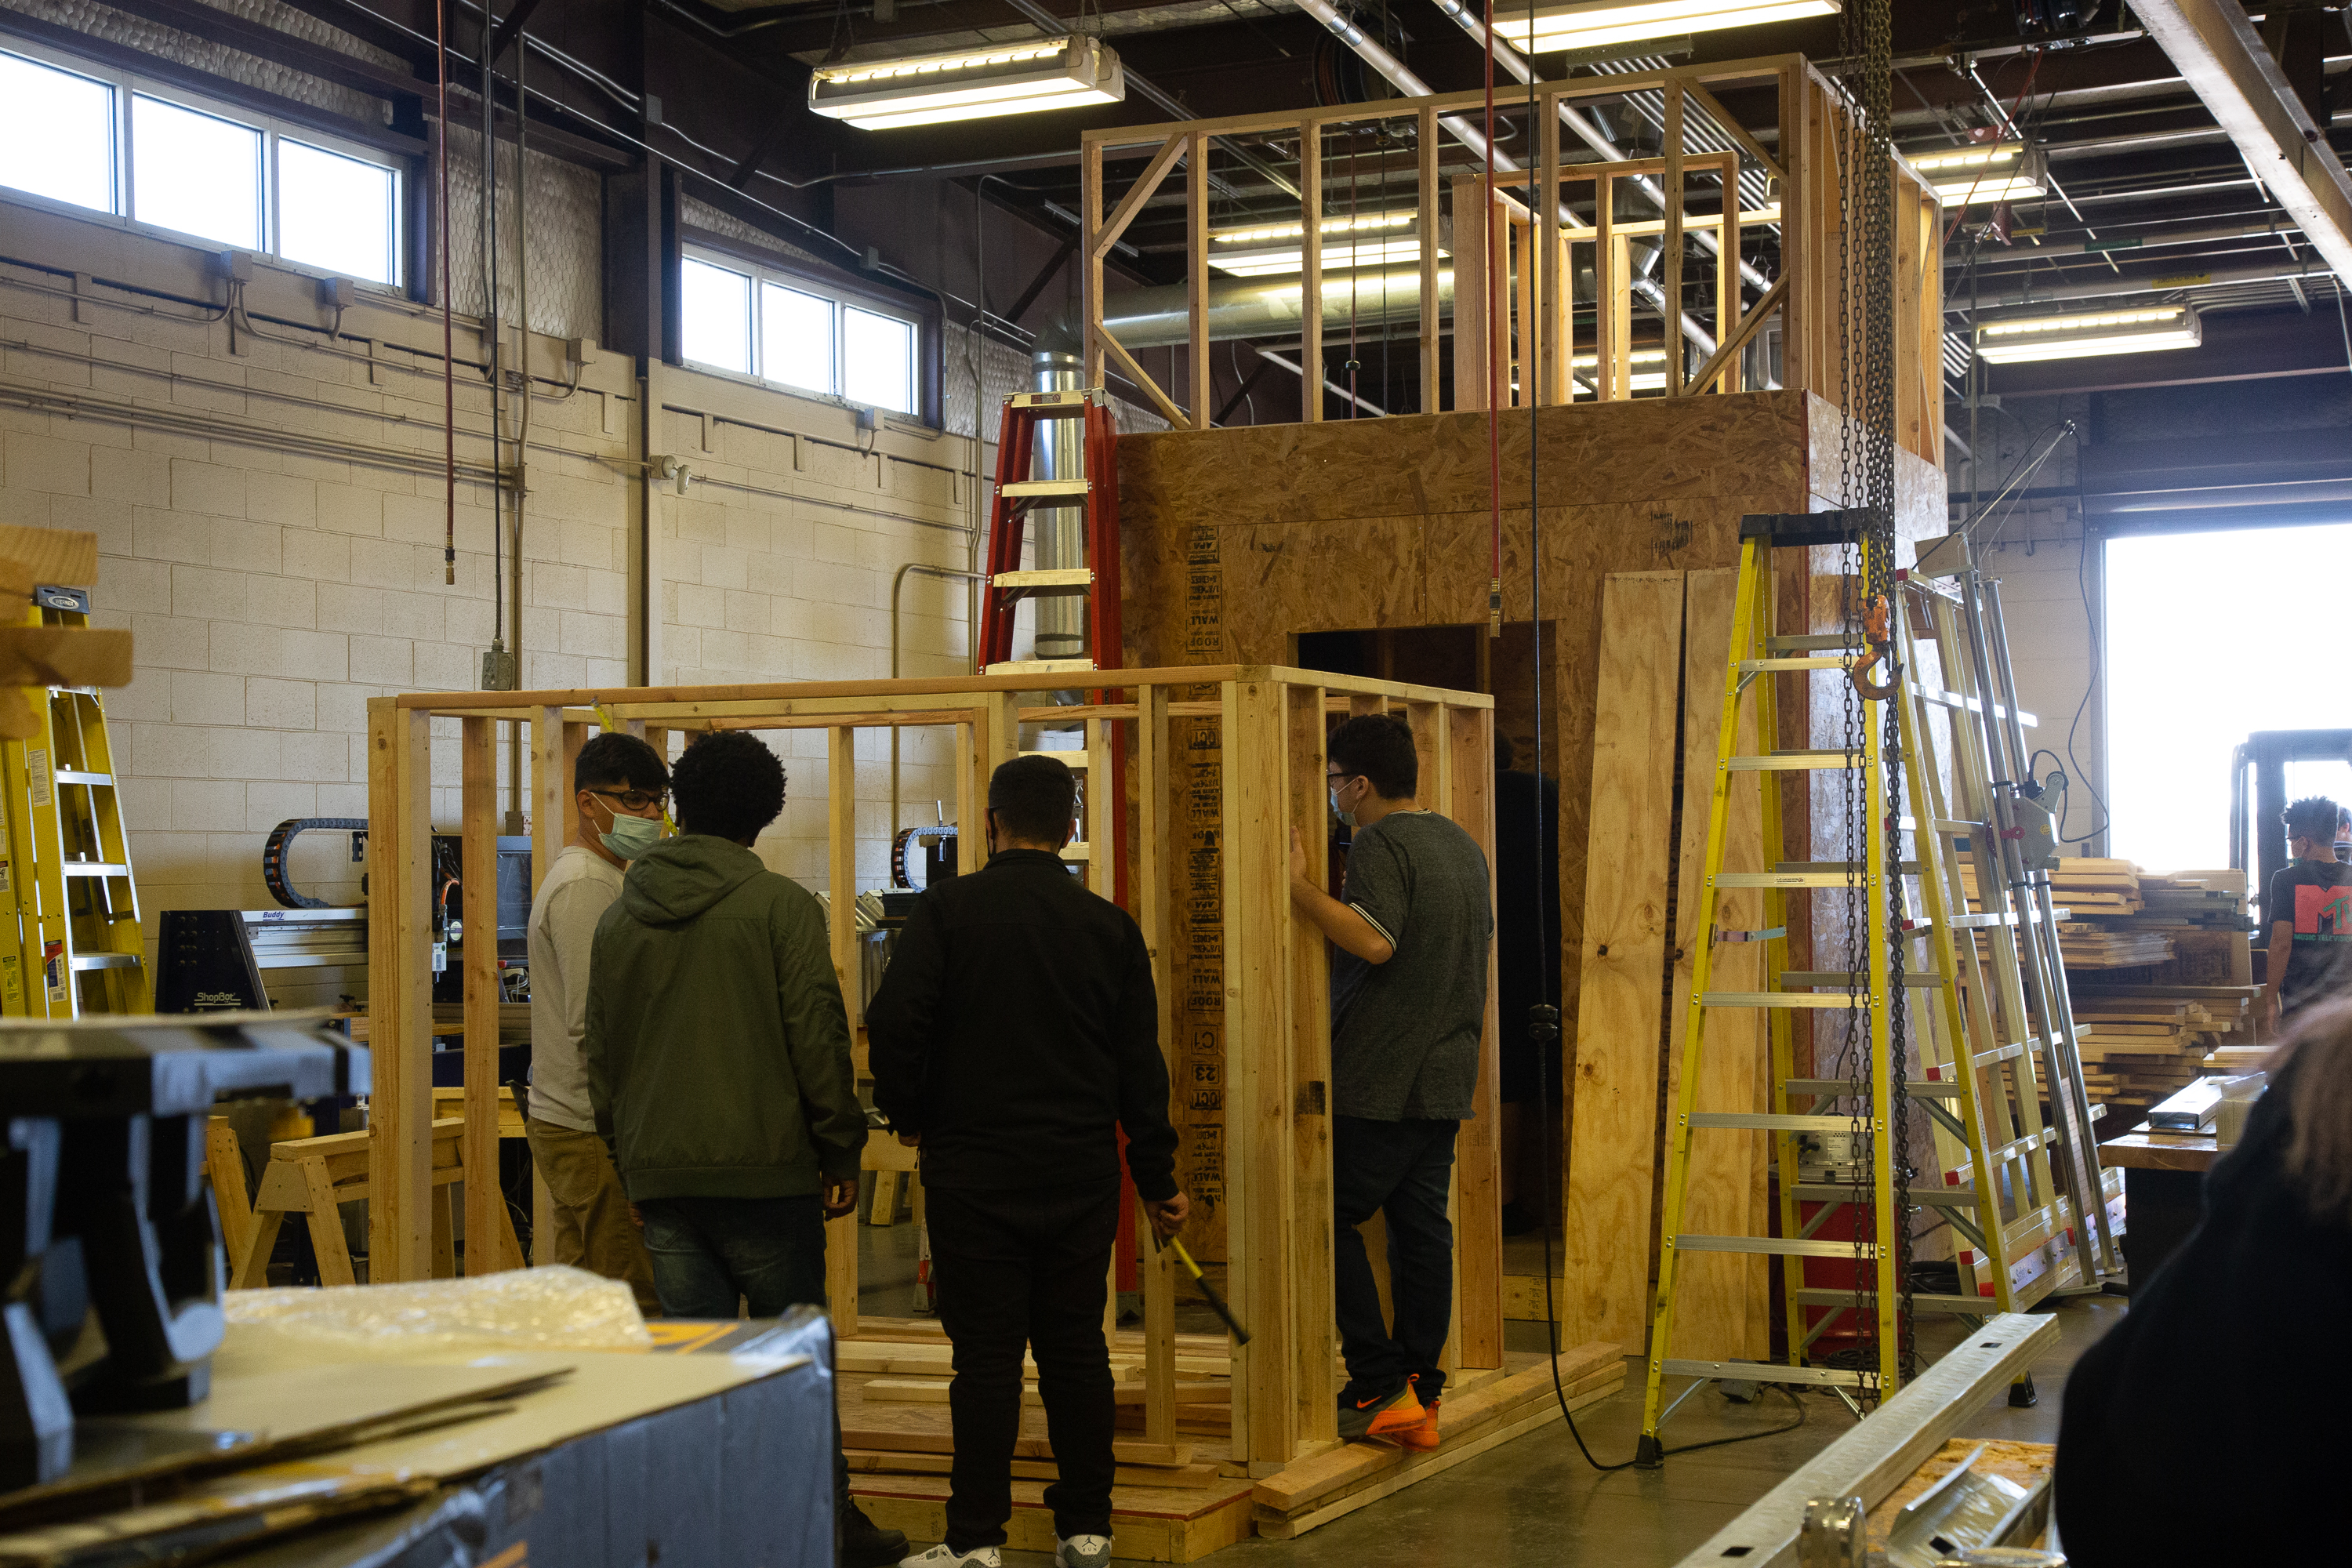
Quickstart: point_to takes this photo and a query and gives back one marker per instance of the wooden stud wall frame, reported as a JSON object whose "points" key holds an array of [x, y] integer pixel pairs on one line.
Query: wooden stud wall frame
{"points": [[1278, 1174], [1540, 242]]}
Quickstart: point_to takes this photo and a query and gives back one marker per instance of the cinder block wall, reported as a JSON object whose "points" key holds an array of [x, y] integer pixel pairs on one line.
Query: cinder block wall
{"points": [[274, 587]]}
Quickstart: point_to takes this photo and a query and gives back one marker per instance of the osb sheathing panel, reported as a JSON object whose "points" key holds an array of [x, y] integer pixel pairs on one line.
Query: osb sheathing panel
{"points": [[1387, 523]]}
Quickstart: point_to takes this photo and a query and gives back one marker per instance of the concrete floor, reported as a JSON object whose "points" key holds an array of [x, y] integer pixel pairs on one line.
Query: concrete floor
{"points": [[1537, 1501]]}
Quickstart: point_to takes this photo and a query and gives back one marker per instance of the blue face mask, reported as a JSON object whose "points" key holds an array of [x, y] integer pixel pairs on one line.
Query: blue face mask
{"points": [[630, 837], [1346, 819]]}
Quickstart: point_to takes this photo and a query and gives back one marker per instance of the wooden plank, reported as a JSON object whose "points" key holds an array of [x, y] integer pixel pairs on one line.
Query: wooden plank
{"points": [[1469, 746], [400, 991], [29, 557], [840, 811], [1427, 721], [1554, 347], [1196, 280], [549, 785], [1613, 1145], [1589, 1390], [1260, 1158], [1090, 258], [486, 1216], [1470, 280], [1146, 183], [1148, 883], [1426, 207], [1719, 1297], [1310, 314], [225, 1166], [1306, 811], [1301, 1485], [1675, 198]]}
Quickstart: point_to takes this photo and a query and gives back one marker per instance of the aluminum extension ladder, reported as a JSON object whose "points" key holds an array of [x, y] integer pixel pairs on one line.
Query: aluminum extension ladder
{"points": [[2015, 982], [72, 942], [1990, 1179]]}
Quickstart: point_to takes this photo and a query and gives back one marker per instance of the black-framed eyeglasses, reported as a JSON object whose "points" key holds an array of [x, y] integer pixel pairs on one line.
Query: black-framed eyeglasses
{"points": [[634, 799], [1335, 780]]}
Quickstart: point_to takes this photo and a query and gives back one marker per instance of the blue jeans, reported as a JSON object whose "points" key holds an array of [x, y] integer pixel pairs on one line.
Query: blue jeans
{"points": [[1401, 1170], [769, 1252], [707, 1252]]}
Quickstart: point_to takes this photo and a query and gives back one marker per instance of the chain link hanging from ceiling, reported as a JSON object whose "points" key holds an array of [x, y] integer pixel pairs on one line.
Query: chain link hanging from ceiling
{"points": [[1866, 483]]}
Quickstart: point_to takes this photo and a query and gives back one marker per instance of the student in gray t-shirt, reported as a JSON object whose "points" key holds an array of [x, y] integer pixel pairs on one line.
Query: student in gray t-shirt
{"points": [[1410, 932]]}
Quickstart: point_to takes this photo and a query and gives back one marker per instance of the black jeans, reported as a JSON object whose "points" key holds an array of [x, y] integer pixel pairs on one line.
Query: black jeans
{"points": [[1399, 1169], [769, 1252], [1025, 1266]]}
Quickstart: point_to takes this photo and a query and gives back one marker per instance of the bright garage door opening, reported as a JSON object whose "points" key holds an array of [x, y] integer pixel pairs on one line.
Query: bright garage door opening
{"points": [[2212, 637]]}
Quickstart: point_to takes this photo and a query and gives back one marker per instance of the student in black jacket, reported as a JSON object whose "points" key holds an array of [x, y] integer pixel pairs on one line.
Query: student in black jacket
{"points": [[1015, 1029], [2207, 1426]]}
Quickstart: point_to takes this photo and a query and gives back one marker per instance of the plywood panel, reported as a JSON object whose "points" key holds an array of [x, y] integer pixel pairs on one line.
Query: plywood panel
{"points": [[1721, 1298], [1612, 1139]]}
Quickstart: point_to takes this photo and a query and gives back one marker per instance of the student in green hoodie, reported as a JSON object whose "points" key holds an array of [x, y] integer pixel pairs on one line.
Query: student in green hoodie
{"points": [[718, 1057]]}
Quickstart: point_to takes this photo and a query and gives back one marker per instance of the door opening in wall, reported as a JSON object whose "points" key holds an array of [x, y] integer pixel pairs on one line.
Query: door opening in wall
{"points": [[2212, 637]]}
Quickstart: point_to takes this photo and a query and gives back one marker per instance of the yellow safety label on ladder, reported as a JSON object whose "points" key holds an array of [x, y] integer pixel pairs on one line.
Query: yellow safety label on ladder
{"points": [[39, 778], [7, 886], [11, 983]]}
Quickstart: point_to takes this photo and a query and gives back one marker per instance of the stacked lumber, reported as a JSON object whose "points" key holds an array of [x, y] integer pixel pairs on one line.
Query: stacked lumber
{"points": [[2142, 1044], [2157, 967], [1328, 1486], [2099, 899]]}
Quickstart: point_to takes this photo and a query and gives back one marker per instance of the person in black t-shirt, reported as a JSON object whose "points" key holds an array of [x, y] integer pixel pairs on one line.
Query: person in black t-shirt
{"points": [[2310, 911]]}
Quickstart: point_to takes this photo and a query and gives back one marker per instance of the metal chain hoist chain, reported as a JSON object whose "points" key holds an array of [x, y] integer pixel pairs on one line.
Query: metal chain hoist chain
{"points": [[1854, 787], [1878, 423]]}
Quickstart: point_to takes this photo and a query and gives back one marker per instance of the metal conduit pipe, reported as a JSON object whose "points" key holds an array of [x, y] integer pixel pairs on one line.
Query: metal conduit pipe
{"points": [[2112, 286], [2138, 242], [1401, 77]]}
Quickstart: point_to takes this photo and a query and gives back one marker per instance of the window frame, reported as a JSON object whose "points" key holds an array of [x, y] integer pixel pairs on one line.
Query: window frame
{"points": [[128, 85], [844, 291]]}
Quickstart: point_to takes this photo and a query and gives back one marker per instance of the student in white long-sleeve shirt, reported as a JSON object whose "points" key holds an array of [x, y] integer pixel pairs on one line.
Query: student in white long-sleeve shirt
{"points": [[620, 783]]}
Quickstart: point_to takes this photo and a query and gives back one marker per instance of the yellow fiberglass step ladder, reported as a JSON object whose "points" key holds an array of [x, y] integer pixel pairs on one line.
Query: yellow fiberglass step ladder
{"points": [[1836, 1139], [77, 946]]}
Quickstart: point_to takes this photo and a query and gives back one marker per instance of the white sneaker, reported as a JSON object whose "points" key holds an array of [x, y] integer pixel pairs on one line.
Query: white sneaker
{"points": [[945, 1556], [1082, 1552]]}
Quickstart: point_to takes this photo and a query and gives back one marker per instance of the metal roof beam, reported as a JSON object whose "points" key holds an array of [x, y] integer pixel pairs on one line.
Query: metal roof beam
{"points": [[2222, 60]]}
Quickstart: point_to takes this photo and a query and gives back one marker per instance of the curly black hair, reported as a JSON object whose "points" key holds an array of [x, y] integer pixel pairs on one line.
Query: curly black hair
{"points": [[728, 784]]}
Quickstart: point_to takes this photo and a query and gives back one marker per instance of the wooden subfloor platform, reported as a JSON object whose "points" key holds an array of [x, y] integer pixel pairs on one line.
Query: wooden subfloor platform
{"points": [[1180, 1503]]}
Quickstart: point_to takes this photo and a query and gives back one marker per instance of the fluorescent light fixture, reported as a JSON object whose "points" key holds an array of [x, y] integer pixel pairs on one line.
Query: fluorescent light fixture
{"points": [[968, 84], [1366, 240], [1344, 257], [2140, 330], [1636, 380], [1588, 24], [1359, 224], [1981, 174]]}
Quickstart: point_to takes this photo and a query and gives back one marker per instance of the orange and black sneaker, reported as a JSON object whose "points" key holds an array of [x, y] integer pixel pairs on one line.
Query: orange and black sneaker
{"points": [[1420, 1436], [1377, 1415]]}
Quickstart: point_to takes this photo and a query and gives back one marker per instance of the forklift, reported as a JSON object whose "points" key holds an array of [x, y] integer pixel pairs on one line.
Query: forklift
{"points": [[2258, 796]]}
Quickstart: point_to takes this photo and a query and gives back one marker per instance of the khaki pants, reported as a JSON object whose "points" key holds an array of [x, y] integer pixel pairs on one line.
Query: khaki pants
{"points": [[593, 1228]]}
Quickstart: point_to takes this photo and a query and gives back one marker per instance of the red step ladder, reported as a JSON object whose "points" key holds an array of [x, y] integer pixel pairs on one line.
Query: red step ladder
{"points": [[1016, 494]]}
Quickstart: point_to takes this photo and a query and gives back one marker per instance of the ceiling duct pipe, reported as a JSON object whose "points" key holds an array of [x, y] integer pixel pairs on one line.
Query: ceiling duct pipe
{"points": [[1400, 76], [1161, 317]]}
